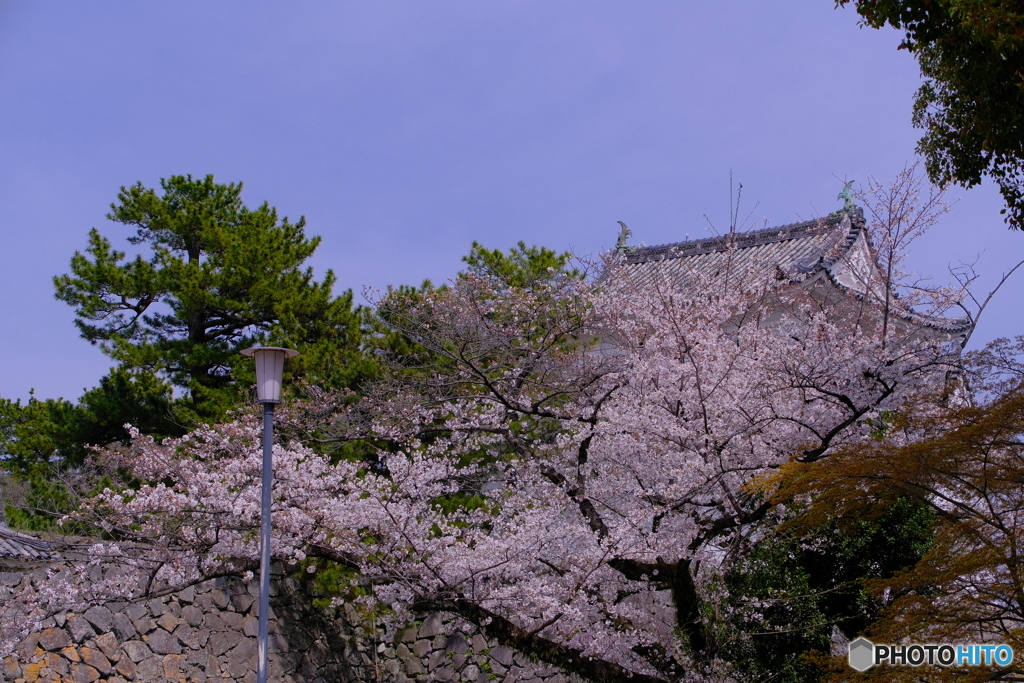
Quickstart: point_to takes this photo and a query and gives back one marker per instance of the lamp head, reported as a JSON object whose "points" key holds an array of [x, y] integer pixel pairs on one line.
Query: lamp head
{"points": [[269, 370]]}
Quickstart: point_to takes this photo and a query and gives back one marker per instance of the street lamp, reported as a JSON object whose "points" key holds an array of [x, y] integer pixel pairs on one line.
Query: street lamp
{"points": [[269, 368]]}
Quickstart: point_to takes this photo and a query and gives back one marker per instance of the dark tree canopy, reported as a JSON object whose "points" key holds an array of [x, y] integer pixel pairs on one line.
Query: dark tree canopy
{"points": [[213, 277], [522, 266], [971, 105]]}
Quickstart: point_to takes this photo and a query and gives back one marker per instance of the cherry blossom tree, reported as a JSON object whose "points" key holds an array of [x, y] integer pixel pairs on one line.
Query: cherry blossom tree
{"points": [[566, 463], [570, 471]]}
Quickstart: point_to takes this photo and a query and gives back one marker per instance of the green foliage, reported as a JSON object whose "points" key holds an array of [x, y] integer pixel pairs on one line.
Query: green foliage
{"points": [[523, 267], [37, 432], [49, 493], [125, 396], [215, 277], [43, 443], [786, 594], [971, 104], [59, 433], [330, 581]]}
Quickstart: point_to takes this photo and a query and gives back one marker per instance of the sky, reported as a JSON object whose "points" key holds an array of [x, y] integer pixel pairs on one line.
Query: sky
{"points": [[404, 130]]}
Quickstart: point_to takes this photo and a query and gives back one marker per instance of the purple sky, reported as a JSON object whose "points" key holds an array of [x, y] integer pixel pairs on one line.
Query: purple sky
{"points": [[405, 130]]}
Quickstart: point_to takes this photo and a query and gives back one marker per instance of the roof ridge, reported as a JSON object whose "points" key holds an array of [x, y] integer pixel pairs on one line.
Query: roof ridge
{"points": [[18, 537], [742, 240]]}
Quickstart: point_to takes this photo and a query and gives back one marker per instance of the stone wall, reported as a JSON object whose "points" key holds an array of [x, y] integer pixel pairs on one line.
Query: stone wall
{"points": [[208, 633], [447, 649]]}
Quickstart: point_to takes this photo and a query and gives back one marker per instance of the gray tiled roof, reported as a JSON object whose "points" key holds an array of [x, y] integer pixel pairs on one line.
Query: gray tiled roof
{"points": [[835, 247], [21, 551], [789, 251]]}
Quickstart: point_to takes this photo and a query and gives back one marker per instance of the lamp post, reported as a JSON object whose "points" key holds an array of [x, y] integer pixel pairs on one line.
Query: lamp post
{"points": [[269, 368]]}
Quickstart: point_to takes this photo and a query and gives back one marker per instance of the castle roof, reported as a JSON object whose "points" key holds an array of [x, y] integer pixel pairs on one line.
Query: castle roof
{"points": [[21, 551], [835, 249]]}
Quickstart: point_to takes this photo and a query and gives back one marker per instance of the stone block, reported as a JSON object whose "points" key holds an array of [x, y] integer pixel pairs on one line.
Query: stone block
{"points": [[191, 638], [10, 578], [414, 666], [100, 617], [123, 627], [212, 621], [407, 635], [458, 661], [26, 647], [276, 643], [220, 597], [431, 627], [168, 622], [445, 673], [126, 667], [422, 648], [174, 607], [163, 643], [456, 642], [136, 650], [80, 629], [136, 611], [197, 657], [232, 620], [222, 641], [71, 654], [479, 643], [56, 663], [9, 668], [108, 645], [54, 639], [144, 625], [244, 650], [83, 673], [251, 627], [187, 596], [156, 606], [172, 668], [503, 655], [192, 615], [96, 660], [150, 669], [435, 659], [470, 673], [241, 602]]}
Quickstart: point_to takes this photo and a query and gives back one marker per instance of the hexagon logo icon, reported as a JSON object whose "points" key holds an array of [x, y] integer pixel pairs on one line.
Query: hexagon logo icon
{"points": [[862, 654]]}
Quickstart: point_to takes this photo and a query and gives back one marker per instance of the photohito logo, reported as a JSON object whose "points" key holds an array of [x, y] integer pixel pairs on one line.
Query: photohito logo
{"points": [[864, 654]]}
